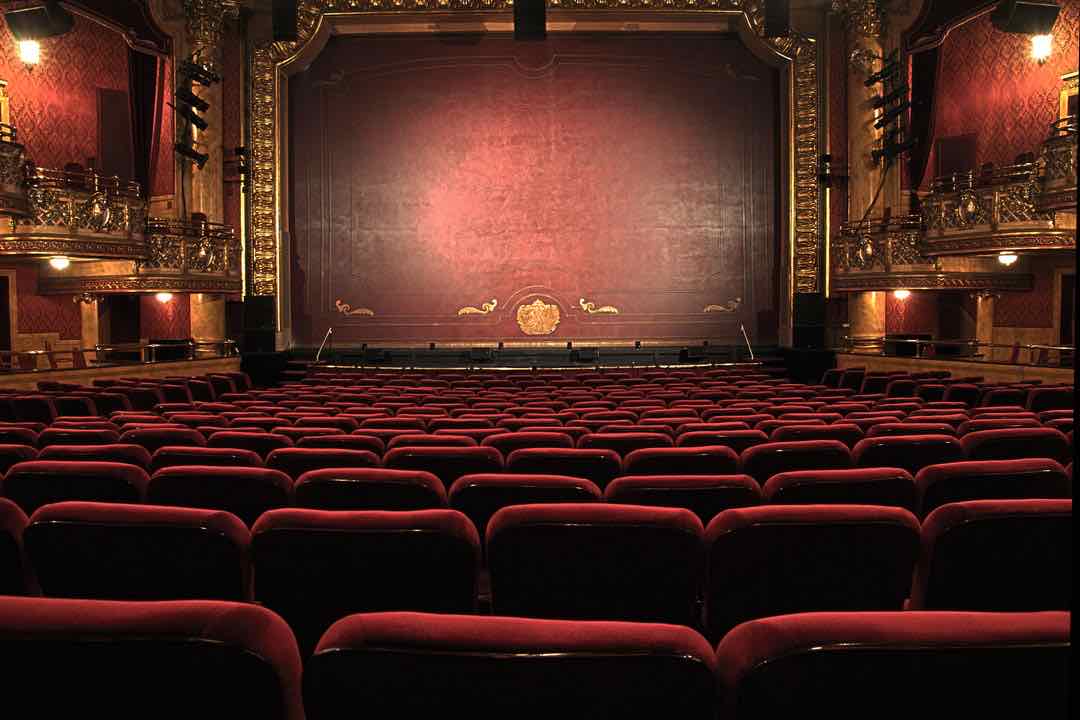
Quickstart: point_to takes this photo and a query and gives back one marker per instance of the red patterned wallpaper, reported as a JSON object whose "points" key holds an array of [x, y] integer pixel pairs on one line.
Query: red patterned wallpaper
{"points": [[917, 313], [44, 313], [165, 321], [163, 183], [1034, 309], [990, 85], [54, 107]]}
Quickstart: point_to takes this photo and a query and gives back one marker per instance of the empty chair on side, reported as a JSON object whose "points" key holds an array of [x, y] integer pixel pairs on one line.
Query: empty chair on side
{"points": [[855, 486], [595, 561], [72, 436], [117, 551], [35, 483], [506, 443], [939, 485], [704, 495], [246, 492], [369, 488], [417, 665], [737, 440]]}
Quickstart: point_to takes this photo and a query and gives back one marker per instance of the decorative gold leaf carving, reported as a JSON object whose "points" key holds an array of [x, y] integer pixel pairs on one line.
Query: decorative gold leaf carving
{"points": [[538, 317], [346, 309], [729, 307], [484, 309], [592, 309]]}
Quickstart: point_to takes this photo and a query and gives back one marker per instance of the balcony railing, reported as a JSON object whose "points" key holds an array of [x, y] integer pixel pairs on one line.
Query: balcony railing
{"points": [[113, 355], [968, 350]]}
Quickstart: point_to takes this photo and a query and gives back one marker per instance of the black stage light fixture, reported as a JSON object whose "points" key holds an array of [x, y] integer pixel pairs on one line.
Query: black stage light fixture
{"points": [[777, 20], [891, 115], [891, 150], [284, 20], [186, 96], [191, 154], [197, 73], [887, 72], [883, 100], [530, 20], [189, 115], [43, 20], [1025, 16]]}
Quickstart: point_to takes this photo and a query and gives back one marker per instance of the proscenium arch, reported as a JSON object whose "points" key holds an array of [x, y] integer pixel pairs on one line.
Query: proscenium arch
{"points": [[801, 251]]}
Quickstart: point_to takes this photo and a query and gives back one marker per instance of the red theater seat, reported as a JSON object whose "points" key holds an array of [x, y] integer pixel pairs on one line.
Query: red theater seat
{"points": [[847, 433], [1059, 398], [908, 664], [246, 492], [856, 486], [14, 571], [592, 561], [170, 456], [911, 428], [996, 555], [12, 435], [704, 495], [116, 551], [11, 454], [314, 567], [153, 438], [480, 496], [704, 460], [508, 442], [910, 452], [69, 436], [116, 452], [342, 423], [294, 462], [599, 466], [415, 665], [369, 489], [737, 440], [344, 442], [778, 559], [35, 483], [425, 440], [939, 485], [763, 461], [175, 659], [260, 443], [446, 463], [1017, 443], [34, 408]]}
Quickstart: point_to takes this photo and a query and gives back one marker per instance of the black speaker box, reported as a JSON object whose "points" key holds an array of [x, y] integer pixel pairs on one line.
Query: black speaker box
{"points": [[1024, 16], [808, 336], [777, 19], [259, 312], [257, 341], [809, 309], [692, 354], [284, 19], [264, 368], [481, 355], [530, 20], [585, 355]]}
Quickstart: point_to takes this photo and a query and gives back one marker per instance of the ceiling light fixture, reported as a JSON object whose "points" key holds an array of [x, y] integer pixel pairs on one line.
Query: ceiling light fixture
{"points": [[1041, 47], [901, 294], [1007, 258], [163, 297], [30, 53], [59, 262]]}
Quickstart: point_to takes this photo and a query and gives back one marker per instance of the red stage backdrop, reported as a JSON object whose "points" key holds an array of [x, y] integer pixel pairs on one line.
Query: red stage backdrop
{"points": [[588, 187]]}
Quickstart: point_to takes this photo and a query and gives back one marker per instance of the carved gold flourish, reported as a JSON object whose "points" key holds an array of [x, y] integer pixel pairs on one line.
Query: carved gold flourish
{"points": [[729, 307], [538, 317], [484, 309], [592, 309], [346, 309], [266, 59]]}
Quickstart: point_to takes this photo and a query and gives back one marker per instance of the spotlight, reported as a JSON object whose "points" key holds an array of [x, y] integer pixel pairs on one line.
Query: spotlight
{"points": [[901, 294], [1007, 258], [197, 73], [30, 53], [59, 262], [191, 154], [189, 115], [163, 297], [186, 96], [1041, 46]]}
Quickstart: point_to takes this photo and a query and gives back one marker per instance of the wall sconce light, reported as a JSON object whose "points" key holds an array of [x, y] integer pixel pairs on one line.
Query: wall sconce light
{"points": [[1041, 47], [901, 294], [1007, 258], [59, 262], [163, 297], [29, 53]]}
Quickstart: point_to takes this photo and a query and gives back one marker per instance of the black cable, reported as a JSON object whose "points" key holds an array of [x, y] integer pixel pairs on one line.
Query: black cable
{"points": [[877, 194]]}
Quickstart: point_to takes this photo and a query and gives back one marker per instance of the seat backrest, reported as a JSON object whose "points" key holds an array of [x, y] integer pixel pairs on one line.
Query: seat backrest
{"points": [[112, 452], [938, 485], [996, 555], [14, 570], [763, 461], [153, 438], [72, 436], [847, 433], [262, 443], [369, 488], [171, 456], [295, 461], [595, 561], [15, 453], [417, 665], [246, 492], [855, 486], [106, 658], [838, 664], [599, 466], [34, 483], [703, 460], [704, 495], [910, 452], [1012, 443]]}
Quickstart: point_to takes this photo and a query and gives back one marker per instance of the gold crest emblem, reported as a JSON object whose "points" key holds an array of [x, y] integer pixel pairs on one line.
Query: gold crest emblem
{"points": [[538, 317]]}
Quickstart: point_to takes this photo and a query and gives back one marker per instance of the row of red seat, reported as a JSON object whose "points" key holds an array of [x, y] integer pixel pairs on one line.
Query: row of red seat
{"points": [[564, 560], [222, 659]]}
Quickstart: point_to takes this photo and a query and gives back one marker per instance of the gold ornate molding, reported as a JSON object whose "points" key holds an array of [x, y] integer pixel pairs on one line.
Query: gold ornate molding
{"points": [[538, 317], [205, 27], [12, 163], [267, 59], [729, 307], [592, 309], [932, 281], [484, 308], [348, 310]]}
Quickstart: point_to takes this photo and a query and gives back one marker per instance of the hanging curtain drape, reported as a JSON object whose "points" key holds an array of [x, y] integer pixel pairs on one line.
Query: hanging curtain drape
{"points": [[146, 95], [924, 74]]}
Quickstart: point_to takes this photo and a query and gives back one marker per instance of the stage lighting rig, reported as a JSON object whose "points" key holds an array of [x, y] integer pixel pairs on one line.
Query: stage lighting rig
{"points": [[198, 74], [189, 105], [191, 154]]}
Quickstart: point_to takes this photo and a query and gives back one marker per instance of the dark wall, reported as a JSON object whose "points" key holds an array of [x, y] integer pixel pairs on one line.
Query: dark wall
{"points": [[432, 173]]}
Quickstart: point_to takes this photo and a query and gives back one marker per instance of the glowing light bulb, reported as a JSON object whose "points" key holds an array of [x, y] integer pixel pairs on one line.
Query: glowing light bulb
{"points": [[163, 297], [30, 52], [1007, 258], [1041, 46], [60, 262], [901, 294]]}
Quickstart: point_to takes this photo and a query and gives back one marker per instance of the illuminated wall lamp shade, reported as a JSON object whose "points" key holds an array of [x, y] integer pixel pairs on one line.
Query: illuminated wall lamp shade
{"points": [[1007, 258], [1041, 47], [59, 262], [163, 297], [901, 294], [30, 52]]}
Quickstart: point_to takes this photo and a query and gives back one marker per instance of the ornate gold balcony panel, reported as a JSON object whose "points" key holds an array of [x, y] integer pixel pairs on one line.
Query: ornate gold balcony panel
{"points": [[77, 214], [12, 162], [181, 257], [890, 255], [986, 213], [1058, 160]]}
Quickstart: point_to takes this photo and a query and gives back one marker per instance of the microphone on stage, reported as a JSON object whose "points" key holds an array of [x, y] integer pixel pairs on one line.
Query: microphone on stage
{"points": [[329, 332], [747, 341]]}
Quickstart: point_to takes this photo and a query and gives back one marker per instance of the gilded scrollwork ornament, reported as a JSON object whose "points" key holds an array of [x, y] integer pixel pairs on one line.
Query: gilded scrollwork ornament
{"points": [[594, 309], [484, 309]]}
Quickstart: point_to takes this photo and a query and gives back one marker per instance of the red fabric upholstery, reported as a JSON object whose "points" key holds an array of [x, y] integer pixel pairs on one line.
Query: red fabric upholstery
{"points": [[35, 483], [425, 440], [142, 655], [1017, 443], [704, 495], [777, 559], [422, 665], [261, 443], [1040, 399], [170, 456], [996, 555], [508, 442], [344, 442], [11, 454], [314, 567], [847, 433], [857, 486], [737, 440], [763, 461], [369, 489], [704, 460], [992, 422], [910, 452], [294, 462], [154, 438], [246, 492], [837, 664], [939, 485], [117, 551], [13, 435], [624, 443], [68, 436], [14, 571], [118, 452], [599, 466], [344, 424], [446, 463], [911, 428], [590, 561]]}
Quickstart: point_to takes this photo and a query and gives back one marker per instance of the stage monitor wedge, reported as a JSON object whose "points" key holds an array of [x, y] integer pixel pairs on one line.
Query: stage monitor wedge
{"points": [[284, 20], [530, 20], [1025, 16], [777, 21]]}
